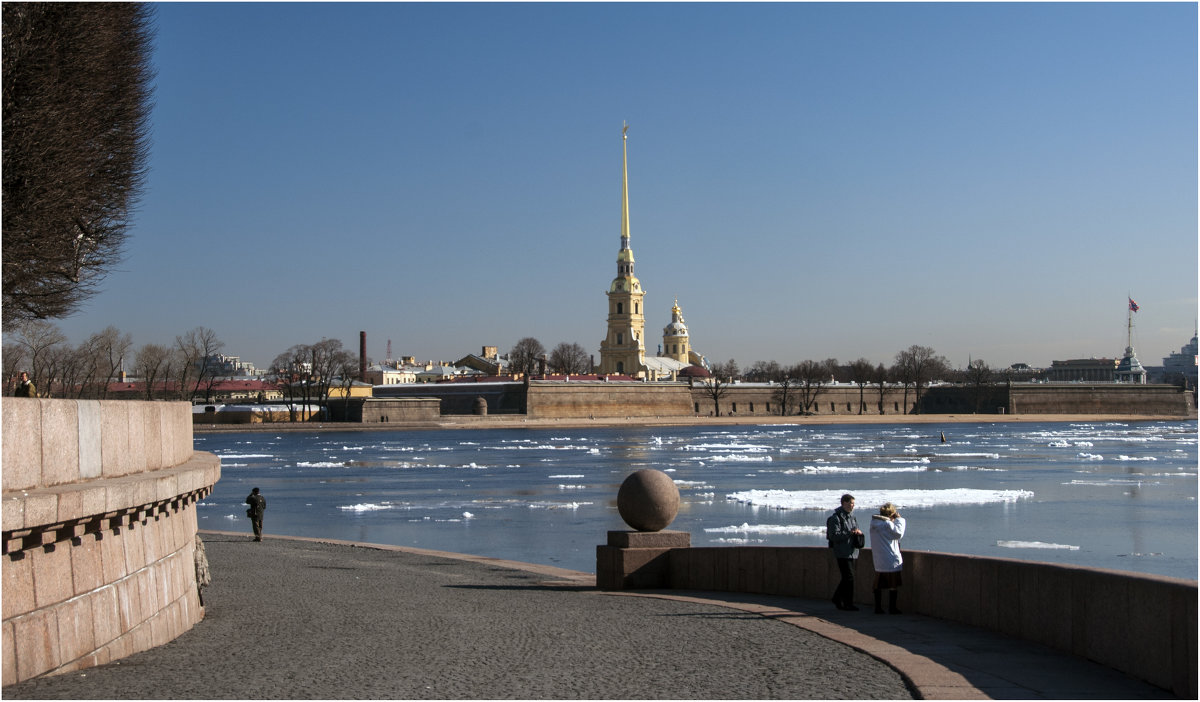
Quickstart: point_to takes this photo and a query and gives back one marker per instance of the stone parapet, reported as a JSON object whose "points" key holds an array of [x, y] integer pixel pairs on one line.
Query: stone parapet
{"points": [[99, 531], [1142, 625]]}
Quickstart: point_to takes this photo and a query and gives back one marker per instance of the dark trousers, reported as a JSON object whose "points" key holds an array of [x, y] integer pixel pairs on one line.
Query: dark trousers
{"points": [[845, 589], [256, 522]]}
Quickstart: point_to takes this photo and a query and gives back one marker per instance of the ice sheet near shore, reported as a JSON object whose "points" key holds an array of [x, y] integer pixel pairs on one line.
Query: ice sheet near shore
{"points": [[829, 499]]}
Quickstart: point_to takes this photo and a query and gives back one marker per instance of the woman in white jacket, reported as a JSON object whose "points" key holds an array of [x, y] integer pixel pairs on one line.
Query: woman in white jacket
{"points": [[887, 528]]}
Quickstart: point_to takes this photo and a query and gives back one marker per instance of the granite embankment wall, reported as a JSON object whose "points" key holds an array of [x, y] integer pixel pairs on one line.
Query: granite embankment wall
{"points": [[549, 399], [1143, 625], [741, 399], [1078, 398], [99, 530]]}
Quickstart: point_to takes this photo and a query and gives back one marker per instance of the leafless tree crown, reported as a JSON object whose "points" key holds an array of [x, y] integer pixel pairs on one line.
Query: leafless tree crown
{"points": [[77, 87]]}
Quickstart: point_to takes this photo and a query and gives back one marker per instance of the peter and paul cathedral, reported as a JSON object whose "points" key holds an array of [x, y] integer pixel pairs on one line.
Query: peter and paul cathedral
{"points": [[623, 351]]}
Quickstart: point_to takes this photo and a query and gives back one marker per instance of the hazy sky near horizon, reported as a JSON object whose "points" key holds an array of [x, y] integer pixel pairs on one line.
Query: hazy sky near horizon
{"points": [[809, 180]]}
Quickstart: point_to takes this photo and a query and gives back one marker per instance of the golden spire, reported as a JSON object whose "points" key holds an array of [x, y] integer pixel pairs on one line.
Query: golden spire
{"points": [[624, 187]]}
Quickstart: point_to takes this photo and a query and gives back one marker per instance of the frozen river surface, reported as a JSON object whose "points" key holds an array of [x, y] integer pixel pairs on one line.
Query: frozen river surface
{"points": [[1108, 495]]}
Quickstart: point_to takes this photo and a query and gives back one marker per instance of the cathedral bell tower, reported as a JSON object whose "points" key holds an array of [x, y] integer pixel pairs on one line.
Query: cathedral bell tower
{"points": [[675, 336], [624, 348]]}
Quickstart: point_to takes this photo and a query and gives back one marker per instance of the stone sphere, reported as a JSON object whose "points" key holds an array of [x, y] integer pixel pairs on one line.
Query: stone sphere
{"points": [[648, 500]]}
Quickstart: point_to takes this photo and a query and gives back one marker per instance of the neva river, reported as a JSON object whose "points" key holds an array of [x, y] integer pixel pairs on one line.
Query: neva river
{"points": [[1108, 495]]}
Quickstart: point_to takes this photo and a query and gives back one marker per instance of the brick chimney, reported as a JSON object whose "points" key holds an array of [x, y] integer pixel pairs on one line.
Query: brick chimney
{"points": [[362, 356]]}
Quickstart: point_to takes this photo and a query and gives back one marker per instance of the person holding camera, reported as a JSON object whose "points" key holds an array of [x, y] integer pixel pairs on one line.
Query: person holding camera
{"points": [[845, 538], [887, 528]]}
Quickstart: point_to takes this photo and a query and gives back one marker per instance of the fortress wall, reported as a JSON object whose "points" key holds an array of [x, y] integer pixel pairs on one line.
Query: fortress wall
{"points": [[755, 399], [1142, 625], [1107, 398], [99, 530], [579, 399]]}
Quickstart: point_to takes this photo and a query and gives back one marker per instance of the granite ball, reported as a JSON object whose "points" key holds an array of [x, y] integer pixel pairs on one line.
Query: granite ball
{"points": [[648, 500]]}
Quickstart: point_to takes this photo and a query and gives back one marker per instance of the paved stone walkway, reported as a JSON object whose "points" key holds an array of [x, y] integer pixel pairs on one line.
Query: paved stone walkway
{"points": [[297, 619]]}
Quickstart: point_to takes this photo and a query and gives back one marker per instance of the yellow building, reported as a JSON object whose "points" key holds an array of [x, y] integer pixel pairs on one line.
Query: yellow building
{"points": [[675, 337], [624, 347], [356, 389], [623, 350]]}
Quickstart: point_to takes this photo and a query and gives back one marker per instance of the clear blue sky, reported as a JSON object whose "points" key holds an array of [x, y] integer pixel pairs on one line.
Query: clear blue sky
{"points": [[810, 180]]}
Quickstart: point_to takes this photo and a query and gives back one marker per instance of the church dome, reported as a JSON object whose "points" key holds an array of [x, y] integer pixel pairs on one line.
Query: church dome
{"points": [[694, 372], [677, 327]]}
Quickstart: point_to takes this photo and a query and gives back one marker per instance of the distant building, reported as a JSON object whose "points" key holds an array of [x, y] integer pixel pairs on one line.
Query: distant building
{"points": [[1182, 363], [623, 350], [489, 362], [382, 374], [1091, 370]]}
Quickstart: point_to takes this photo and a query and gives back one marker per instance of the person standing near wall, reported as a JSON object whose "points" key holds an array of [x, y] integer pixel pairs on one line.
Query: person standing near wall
{"points": [[845, 538], [258, 505], [887, 528], [25, 387]]}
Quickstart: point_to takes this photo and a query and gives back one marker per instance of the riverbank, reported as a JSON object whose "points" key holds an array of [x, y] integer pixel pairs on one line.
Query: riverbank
{"points": [[522, 422]]}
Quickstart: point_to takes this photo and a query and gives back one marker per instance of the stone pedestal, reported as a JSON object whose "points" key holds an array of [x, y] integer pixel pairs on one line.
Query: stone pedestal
{"points": [[637, 560]]}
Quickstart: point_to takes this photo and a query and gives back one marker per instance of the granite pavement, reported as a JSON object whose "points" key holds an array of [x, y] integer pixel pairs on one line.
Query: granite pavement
{"points": [[302, 619]]}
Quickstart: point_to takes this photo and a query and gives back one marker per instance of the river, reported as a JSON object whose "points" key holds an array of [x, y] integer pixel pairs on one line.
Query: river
{"points": [[1119, 495]]}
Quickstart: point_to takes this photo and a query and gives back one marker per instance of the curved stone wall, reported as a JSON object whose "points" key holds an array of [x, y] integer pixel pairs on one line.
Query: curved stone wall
{"points": [[1142, 625], [99, 530]]}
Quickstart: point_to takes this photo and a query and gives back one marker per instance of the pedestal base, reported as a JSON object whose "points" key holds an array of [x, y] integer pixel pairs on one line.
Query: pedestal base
{"points": [[637, 560]]}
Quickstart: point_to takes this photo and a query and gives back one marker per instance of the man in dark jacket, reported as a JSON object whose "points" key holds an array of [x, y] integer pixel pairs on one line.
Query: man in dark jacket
{"points": [[258, 505], [25, 387], [841, 531]]}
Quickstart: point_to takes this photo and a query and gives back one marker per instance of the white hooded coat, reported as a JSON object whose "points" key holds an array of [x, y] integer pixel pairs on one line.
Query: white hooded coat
{"points": [[885, 543]]}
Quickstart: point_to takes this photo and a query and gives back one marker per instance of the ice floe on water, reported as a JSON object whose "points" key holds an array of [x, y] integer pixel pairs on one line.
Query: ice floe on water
{"points": [[995, 456], [829, 499], [729, 458], [830, 470], [320, 464], [367, 507], [1091, 457], [746, 528], [1035, 544]]}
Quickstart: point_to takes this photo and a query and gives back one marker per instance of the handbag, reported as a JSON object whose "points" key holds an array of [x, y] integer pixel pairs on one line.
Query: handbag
{"points": [[858, 540]]}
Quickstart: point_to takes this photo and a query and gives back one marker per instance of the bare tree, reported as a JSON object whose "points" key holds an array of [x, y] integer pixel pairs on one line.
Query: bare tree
{"points": [[197, 349], [812, 376], [763, 372], [861, 372], [716, 387], [37, 339], [77, 87], [920, 365], [523, 359], [65, 369], [784, 394], [152, 362], [728, 369], [979, 375], [571, 359], [902, 372], [15, 360], [110, 348], [879, 380], [330, 361], [292, 372]]}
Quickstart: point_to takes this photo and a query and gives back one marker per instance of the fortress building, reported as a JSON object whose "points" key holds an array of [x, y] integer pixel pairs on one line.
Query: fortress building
{"points": [[623, 351]]}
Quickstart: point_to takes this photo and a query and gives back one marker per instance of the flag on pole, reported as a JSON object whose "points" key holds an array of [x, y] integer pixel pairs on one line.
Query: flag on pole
{"points": [[1133, 306]]}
